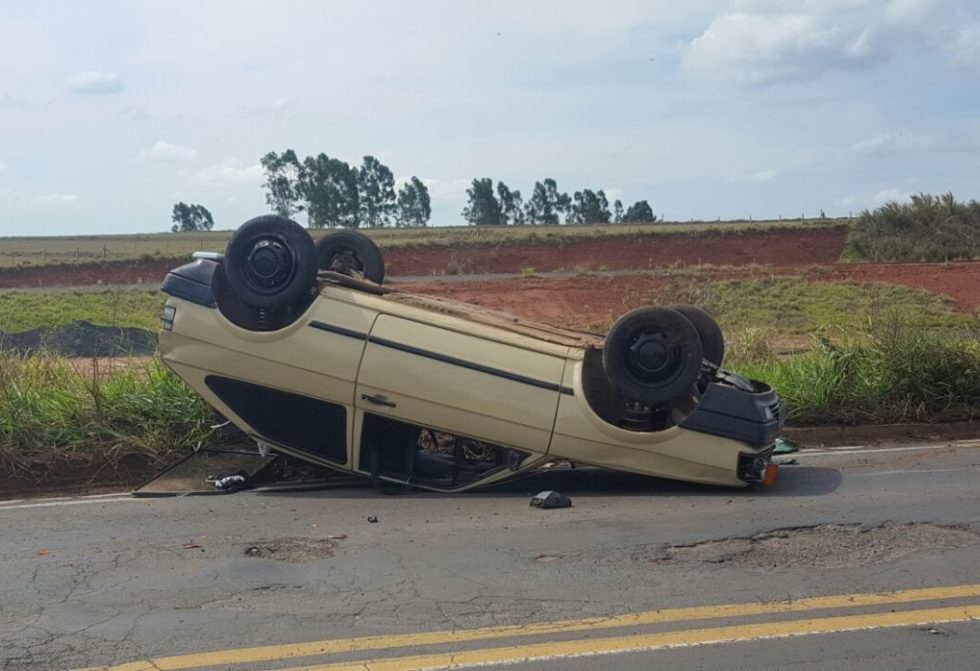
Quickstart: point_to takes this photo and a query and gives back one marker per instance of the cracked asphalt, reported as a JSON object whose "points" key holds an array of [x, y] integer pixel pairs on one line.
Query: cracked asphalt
{"points": [[110, 581]]}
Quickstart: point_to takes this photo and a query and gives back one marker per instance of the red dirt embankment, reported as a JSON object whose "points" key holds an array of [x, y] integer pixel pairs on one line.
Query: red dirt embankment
{"points": [[788, 247], [572, 299]]}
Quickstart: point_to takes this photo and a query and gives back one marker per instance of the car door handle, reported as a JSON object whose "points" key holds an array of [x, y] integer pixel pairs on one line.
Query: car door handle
{"points": [[378, 399]]}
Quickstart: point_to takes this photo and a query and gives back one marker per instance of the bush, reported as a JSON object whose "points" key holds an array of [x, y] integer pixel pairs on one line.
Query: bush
{"points": [[929, 228]]}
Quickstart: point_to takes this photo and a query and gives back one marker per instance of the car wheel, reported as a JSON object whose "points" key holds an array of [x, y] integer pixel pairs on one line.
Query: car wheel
{"points": [[712, 340], [653, 355], [351, 253], [270, 262]]}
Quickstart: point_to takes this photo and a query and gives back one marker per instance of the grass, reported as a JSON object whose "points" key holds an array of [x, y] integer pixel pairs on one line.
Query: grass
{"points": [[796, 306], [73, 250], [25, 310], [896, 373], [52, 411]]}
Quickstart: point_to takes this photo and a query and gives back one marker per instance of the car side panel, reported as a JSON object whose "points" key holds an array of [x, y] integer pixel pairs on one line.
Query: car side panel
{"points": [[582, 436], [301, 359], [461, 383]]}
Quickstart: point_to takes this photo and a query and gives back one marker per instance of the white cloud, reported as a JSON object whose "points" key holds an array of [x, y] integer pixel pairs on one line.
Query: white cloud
{"points": [[965, 47], [230, 172], [764, 49], [95, 83], [612, 193], [163, 152], [752, 177], [888, 195], [3, 166], [54, 201], [440, 189]]}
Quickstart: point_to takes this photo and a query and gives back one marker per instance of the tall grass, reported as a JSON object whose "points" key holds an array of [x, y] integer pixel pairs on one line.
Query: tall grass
{"points": [[59, 410], [928, 228], [895, 373]]}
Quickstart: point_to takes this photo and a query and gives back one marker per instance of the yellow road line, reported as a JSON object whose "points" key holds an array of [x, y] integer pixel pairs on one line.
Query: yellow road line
{"points": [[649, 642], [293, 650]]}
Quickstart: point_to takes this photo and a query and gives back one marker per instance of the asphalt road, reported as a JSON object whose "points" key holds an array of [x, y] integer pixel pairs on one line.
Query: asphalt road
{"points": [[856, 559]]}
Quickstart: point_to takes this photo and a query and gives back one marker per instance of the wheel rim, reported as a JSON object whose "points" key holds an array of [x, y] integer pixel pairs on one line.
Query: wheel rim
{"points": [[345, 260], [269, 265], [651, 358]]}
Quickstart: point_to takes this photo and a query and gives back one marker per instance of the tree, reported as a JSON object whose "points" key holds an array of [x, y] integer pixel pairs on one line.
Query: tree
{"points": [[590, 207], [618, 211], [376, 193], [511, 204], [639, 211], [483, 208], [191, 218], [414, 205], [546, 203], [329, 187], [282, 182]]}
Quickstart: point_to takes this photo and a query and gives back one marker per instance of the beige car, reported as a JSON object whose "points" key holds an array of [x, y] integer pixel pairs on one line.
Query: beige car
{"points": [[303, 348]]}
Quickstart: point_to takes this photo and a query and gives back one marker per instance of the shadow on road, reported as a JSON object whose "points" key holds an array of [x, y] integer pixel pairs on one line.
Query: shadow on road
{"points": [[585, 482]]}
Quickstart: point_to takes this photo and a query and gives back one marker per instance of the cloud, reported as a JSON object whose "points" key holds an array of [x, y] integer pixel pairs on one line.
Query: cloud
{"points": [[848, 200], [965, 47], [888, 195], [3, 166], [440, 189], [54, 201], [166, 152], [769, 48], [134, 112], [230, 172], [95, 83], [753, 177]]}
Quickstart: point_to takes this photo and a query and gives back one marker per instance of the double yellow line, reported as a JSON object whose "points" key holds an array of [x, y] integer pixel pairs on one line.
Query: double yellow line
{"points": [[594, 646]]}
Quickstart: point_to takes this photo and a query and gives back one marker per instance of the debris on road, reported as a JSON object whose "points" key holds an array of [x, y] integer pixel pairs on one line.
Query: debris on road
{"points": [[551, 499], [373, 519], [783, 446], [230, 483]]}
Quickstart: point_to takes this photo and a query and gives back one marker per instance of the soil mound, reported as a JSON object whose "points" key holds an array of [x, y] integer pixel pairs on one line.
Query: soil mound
{"points": [[82, 339]]}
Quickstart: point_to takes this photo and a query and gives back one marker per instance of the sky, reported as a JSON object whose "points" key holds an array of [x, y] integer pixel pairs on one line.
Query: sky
{"points": [[110, 112]]}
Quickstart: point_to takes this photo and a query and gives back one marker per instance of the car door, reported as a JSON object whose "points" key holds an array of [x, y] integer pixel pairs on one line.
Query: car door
{"points": [[459, 382]]}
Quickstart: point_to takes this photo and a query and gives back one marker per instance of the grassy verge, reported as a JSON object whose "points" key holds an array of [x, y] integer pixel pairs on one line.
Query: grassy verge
{"points": [[74, 250], [53, 410], [25, 310], [895, 374], [789, 307]]}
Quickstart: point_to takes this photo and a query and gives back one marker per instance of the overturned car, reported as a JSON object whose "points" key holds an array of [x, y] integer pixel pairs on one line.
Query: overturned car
{"points": [[304, 349]]}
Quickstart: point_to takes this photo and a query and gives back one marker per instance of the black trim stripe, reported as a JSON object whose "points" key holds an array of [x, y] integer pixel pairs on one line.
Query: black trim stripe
{"points": [[339, 330], [435, 356], [568, 390]]}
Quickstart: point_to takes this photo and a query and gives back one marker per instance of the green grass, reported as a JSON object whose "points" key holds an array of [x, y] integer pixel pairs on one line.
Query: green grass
{"points": [[897, 373], [52, 411], [25, 310], [40, 251], [796, 306]]}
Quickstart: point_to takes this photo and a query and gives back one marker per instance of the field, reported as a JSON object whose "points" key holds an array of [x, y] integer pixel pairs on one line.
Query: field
{"points": [[19, 252], [841, 342]]}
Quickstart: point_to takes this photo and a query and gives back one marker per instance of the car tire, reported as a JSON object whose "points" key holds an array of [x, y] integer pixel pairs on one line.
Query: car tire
{"points": [[712, 339], [653, 355], [351, 253], [270, 263]]}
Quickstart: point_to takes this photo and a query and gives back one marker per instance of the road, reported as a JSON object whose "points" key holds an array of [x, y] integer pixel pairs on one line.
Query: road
{"points": [[856, 559]]}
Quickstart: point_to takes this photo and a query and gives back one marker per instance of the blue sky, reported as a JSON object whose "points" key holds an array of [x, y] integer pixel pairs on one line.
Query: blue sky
{"points": [[112, 111]]}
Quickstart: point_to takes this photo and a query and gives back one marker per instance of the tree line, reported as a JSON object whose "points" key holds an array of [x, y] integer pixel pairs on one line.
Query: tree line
{"points": [[333, 193], [489, 206]]}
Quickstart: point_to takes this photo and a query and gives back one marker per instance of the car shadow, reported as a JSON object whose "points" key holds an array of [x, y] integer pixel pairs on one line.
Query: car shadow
{"points": [[585, 482]]}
